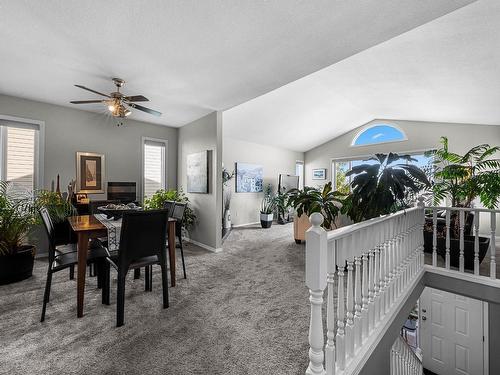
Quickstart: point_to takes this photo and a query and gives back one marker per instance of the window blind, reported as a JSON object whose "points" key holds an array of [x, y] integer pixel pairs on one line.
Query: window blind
{"points": [[154, 167]]}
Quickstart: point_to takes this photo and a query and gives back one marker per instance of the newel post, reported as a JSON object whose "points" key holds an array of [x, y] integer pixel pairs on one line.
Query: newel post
{"points": [[316, 269]]}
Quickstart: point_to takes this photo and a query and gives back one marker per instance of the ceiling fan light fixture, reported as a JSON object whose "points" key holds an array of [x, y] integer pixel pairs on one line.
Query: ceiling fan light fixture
{"points": [[127, 112]]}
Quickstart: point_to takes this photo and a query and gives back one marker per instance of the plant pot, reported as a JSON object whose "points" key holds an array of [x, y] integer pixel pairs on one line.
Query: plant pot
{"points": [[266, 220], [227, 219], [484, 243], [18, 266]]}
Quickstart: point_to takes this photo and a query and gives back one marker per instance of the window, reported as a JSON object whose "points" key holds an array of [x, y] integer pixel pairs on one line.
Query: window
{"points": [[380, 133], [154, 166], [20, 154], [299, 171], [342, 183]]}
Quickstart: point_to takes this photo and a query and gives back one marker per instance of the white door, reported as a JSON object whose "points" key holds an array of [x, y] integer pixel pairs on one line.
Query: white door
{"points": [[451, 329]]}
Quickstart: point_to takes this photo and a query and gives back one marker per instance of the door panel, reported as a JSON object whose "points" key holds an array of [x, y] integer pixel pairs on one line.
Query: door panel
{"points": [[451, 330]]}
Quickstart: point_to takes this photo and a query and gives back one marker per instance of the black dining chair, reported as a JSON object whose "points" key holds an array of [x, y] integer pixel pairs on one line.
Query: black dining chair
{"points": [[59, 261], [169, 206], [142, 244], [178, 214]]}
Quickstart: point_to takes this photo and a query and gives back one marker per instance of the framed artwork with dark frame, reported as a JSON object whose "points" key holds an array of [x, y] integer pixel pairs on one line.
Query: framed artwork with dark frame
{"points": [[90, 168]]}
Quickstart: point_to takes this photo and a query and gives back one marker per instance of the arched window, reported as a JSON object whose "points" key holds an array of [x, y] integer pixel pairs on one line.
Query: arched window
{"points": [[379, 133]]}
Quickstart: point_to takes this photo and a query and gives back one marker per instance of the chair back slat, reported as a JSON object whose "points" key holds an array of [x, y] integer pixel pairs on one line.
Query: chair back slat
{"points": [[49, 228], [143, 233], [178, 212], [169, 206]]}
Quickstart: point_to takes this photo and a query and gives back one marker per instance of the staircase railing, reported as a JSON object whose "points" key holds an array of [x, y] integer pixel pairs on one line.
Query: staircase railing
{"points": [[367, 269], [403, 360]]}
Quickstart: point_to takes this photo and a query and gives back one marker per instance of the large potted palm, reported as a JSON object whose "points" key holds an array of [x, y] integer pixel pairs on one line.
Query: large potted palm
{"points": [[17, 217], [310, 200], [462, 179], [388, 183]]}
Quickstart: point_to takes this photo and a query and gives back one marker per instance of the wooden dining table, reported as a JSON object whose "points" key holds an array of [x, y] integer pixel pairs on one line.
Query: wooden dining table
{"points": [[87, 227]]}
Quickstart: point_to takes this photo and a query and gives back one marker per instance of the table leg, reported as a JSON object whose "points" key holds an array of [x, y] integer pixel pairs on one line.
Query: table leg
{"points": [[171, 250], [83, 248]]}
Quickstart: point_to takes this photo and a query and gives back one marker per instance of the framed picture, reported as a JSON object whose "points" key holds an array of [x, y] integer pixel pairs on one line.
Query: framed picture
{"points": [[319, 174], [197, 172], [249, 178], [90, 173]]}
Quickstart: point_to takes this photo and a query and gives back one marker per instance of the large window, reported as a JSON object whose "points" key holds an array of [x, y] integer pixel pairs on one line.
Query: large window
{"points": [[379, 133], [299, 171], [340, 167], [154, 166], [20, 154]]}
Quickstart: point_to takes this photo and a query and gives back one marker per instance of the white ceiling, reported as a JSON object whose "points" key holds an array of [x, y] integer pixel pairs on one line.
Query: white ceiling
{"points": [[192, 57], [447, 70]]}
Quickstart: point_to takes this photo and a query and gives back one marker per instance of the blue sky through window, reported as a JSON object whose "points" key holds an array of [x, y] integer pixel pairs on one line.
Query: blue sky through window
{"points": [[379, 134]]}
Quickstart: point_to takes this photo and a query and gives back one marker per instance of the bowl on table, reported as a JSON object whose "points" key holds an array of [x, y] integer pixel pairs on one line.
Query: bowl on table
{"points": [[115, 211]]}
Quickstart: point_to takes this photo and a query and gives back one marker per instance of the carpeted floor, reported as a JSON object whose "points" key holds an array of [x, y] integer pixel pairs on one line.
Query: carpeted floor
{"points": [[242, 311]]}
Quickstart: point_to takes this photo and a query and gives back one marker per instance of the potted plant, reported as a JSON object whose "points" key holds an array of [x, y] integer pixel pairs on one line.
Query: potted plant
{"points": [[309, 200], [282, 207], [462, 179], [17, 216], [384, 186], [158, 199], [267, 208], [226, 214]]}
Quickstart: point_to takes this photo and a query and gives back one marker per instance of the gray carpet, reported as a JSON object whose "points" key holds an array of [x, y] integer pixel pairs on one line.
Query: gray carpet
{"points": [[242, 311]]}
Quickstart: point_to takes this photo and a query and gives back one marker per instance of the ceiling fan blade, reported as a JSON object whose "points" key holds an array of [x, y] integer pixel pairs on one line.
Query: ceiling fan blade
{"points": [[86, 101], [95, 92], [136, 98], [144, 109]]}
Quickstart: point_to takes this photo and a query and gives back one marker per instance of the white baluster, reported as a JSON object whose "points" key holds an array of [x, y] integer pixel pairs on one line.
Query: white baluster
{"points": [[461, 259], [358, 324], [371, 293], [476, 242], [376, 285], [330, 313], [340, 338], [364, 297], [434, 237], [316, 262], [447, 256], [350, 308], [493, 248], [382, 249]]}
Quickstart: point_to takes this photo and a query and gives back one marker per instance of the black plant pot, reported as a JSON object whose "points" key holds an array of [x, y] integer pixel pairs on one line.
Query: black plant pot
{"points": [[18, 266], [484, 243], [266, 220]]}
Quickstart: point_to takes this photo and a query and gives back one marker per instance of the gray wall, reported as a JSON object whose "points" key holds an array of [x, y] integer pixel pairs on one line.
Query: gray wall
{"points": [[421, 136], [200, 135], [70, 130], [245, 207]]}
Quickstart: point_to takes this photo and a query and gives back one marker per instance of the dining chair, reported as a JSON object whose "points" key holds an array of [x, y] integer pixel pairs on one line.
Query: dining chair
{"points": [[59, 261], [142, 244], [169, 206], [178, 214]]}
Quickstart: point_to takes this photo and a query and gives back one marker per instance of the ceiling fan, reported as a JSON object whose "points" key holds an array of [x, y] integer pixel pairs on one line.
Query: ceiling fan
{"points": [[117, 102]]}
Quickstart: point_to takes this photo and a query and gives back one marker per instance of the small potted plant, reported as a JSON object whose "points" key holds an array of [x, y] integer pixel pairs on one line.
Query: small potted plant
{"points": [[267, 208]]}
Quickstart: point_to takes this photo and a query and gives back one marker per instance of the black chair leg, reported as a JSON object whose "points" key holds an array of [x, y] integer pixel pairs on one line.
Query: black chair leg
{"points": [[182, 256], [164, 281], [72, 272], [105, 283], [120, 300], [146, 278], [46, 295], [137, 273]]}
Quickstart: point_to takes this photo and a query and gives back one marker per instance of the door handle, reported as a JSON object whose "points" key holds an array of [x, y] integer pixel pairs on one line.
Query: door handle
{"points": [[424, 318]]}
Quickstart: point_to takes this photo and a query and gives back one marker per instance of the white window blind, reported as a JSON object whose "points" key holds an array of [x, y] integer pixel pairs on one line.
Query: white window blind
{"points": [[154, 169], [299, 171], [18, 154]]}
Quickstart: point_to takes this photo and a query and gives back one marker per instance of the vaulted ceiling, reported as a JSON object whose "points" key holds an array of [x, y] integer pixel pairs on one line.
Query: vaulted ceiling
{"points": [[192, 57], [447, 70]]}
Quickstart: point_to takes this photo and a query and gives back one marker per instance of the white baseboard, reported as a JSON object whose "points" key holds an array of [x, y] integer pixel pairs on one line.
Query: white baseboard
{"points": [[245, 225], [206, 247]]}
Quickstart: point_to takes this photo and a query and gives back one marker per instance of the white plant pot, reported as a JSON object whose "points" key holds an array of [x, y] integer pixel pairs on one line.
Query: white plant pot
{"points": [[266, 220]]}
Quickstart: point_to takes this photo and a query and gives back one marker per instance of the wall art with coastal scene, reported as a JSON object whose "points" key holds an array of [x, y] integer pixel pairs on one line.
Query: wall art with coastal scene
{"points": [[249, 178]]}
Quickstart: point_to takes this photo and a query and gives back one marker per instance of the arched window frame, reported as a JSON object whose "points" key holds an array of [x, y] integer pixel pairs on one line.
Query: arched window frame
{"points": [[365, 128]]}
